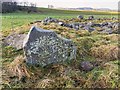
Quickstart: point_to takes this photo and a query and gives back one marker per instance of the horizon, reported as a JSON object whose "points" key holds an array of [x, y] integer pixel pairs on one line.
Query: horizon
{"points": [[110, 4], [113, 5]]}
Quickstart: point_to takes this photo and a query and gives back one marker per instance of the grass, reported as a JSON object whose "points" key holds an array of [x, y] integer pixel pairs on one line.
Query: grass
{"points": [[94, 47], [13, 20]]}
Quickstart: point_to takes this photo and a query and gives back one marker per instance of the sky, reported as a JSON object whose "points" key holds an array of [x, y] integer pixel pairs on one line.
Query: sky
{"points": [[112, 4]]}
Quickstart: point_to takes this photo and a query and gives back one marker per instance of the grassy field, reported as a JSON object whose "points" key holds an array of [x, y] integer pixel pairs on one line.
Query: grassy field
{"points": [[99, 48], [13, 20]]}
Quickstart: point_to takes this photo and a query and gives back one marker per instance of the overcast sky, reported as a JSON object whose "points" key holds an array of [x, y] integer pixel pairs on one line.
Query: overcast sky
{"points": [[112, 4]]}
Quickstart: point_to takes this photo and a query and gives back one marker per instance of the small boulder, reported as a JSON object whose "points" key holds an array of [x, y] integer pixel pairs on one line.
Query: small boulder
{"points": [[90, 17], [49, 20], [15, 40], [80, 17], [61, 23], [90, 29], [75, 26], [86, 66]]}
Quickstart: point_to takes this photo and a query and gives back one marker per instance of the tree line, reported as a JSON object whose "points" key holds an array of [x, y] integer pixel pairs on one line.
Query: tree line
{"points": [[9, 7]]}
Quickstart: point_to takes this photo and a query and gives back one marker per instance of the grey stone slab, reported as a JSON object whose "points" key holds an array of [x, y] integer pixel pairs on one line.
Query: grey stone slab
{"points": [[45, 47], [15, 40]]}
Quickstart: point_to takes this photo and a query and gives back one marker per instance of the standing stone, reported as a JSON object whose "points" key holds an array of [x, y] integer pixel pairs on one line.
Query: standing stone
{"points": [[43, 47]]}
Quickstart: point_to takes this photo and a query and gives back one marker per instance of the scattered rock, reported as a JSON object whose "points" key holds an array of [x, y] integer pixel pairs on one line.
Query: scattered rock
{"points": [[80, 17], [90, 17], [90, 24], [113, 18], [75, 26], [15, 40], [97, 25], [49, 20], [90, 29], [68, 25], [104, 24], [61, 23], [107, 30], [86, 66], [45, 47]]}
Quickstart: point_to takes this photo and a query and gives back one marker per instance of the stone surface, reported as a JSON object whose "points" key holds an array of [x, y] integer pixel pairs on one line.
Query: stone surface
{"points": [[49, 20], [90, 17], [80, 17], [90, 29], [104, 23], [15, 40], [75, 26], [86, 66], [61, 23], [45, 47], [107, 30]]}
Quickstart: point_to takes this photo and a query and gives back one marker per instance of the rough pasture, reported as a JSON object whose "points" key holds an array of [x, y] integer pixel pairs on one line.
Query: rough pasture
{"points": [[96, 63]]}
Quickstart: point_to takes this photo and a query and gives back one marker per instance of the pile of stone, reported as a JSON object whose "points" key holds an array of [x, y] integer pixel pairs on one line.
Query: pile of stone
{"points": [[106, 27], [49, 20]]}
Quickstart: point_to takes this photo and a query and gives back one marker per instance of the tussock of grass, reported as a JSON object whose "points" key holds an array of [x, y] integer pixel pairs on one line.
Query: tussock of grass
{"points": [[106, 52], [18, 67]]}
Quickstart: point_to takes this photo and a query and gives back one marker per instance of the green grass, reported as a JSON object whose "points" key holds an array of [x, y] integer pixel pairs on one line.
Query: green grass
{"points": [[17, 19]]}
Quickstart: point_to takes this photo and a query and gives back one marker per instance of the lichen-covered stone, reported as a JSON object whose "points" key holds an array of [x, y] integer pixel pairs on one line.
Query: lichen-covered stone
{"points": [[44, 47]]}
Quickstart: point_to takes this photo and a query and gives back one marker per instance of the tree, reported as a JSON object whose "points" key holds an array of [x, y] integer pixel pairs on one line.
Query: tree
{"points": [[8, 7]]}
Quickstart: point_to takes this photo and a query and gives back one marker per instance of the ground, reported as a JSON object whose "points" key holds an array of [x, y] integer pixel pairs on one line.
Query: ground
{"points": [[101, 49]]}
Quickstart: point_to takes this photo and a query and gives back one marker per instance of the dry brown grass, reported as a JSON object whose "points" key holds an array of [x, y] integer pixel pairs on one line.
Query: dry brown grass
{"points": [[105, 52], [18, 67], [83, 33], [45, 83], [112, 37]]}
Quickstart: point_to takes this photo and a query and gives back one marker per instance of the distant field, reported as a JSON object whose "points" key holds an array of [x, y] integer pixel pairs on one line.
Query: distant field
{"points": [[13, 20]]}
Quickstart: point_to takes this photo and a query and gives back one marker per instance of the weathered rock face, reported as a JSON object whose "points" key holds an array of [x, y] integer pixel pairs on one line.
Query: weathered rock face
{"points": [[86, 66], [80, 17], [15, 40], [44, 47]]}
